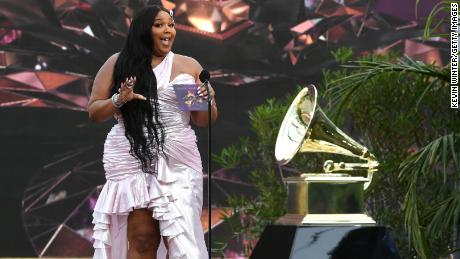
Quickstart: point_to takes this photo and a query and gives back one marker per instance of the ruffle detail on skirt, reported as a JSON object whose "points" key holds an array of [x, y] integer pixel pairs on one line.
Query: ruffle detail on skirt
{"points": [[101, 236], [136, 191]]}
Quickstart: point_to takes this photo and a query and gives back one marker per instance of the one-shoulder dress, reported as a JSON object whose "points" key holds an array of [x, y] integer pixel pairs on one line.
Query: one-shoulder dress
{"points": [[173, 193]]}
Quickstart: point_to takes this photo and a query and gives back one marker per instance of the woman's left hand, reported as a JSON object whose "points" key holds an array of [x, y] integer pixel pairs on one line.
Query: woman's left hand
{"points": [[200, 118], [203, 92]]}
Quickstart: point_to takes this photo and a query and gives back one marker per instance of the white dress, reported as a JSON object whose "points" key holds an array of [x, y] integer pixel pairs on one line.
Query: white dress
{"points": [[174, 194]]}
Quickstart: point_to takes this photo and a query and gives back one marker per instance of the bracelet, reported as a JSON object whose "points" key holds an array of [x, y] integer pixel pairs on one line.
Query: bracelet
{"points": [[116, 103]]}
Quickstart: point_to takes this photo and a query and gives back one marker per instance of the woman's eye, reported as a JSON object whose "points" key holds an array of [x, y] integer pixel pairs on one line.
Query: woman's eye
{"points": [[158, 25], [172, 25]]}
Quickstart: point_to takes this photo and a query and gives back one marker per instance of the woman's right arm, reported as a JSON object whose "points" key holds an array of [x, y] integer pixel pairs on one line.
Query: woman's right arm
{"points": [[100, 107]]}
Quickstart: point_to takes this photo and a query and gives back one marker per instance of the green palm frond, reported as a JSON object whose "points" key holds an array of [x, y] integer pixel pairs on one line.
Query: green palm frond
{"points": [[342, 90], [439, 160], [405, 64], [436, 19]]}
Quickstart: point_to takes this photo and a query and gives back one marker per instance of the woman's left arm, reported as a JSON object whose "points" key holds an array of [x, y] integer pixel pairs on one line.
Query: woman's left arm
{"points": [[200, 118]]}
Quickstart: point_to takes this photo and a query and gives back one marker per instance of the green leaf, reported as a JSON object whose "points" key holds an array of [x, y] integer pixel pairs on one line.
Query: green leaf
{"points": [[439, 153], [229, 157]]}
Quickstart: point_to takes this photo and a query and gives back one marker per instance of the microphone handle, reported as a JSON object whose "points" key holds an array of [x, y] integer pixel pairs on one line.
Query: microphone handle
{"points": [[206, 82]]}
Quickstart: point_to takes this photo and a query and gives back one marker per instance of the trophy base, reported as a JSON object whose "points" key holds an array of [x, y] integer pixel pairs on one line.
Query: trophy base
{"points": [[325, 194], [325, 219], [325, 242]]}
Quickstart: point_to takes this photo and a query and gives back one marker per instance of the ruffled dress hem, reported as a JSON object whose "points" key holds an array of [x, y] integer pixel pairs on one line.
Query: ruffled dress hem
{"points": [[134, 192]]}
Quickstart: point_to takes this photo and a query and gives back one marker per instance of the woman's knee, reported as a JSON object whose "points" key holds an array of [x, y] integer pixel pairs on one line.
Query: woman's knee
{"points": [[143, 232], [144, 243]]}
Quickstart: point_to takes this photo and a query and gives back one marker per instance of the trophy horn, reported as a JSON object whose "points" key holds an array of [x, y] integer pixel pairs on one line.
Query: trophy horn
{"points": [[306, 128]]}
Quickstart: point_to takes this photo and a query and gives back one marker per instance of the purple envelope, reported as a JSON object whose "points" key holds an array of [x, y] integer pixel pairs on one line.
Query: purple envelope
{"points": [[188, 99]]}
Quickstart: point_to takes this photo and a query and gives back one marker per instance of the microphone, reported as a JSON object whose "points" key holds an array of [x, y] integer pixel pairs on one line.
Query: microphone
{"points": [[204, 76]]}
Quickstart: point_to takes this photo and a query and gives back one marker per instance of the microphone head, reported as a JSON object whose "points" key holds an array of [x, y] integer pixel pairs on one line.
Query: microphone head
{"points": [[204, 76]]}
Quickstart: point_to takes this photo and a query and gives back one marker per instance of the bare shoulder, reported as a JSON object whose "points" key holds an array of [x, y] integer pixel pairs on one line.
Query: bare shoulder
{"points": [[187, 60], [189, 64], [107, 68], [112, 60]]}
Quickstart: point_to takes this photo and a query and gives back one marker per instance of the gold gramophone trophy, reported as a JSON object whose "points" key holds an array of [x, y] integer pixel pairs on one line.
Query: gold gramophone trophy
{"points": [[325, 212], [334, 196]]}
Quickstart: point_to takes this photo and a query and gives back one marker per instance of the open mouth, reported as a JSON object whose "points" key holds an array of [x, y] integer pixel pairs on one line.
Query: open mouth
{"points": [[165, 40]]}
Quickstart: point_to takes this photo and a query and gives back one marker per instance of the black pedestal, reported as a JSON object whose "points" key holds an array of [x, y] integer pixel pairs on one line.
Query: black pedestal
{"points": [[328, 242]]}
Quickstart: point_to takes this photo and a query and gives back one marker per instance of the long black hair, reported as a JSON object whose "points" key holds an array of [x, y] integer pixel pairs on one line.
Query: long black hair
{"points": [[143, 127]]}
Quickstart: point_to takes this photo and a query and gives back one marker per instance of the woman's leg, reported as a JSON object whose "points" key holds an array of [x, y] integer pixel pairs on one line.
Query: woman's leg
{"points": [[143, 235], [165, 241]]}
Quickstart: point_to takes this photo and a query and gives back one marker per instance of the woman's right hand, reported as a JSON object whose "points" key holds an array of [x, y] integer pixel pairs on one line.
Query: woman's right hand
{"points": [[126, 91]]}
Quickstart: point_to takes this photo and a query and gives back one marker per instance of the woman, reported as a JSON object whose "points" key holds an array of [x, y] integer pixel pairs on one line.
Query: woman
{"points": [[153, 169]]}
